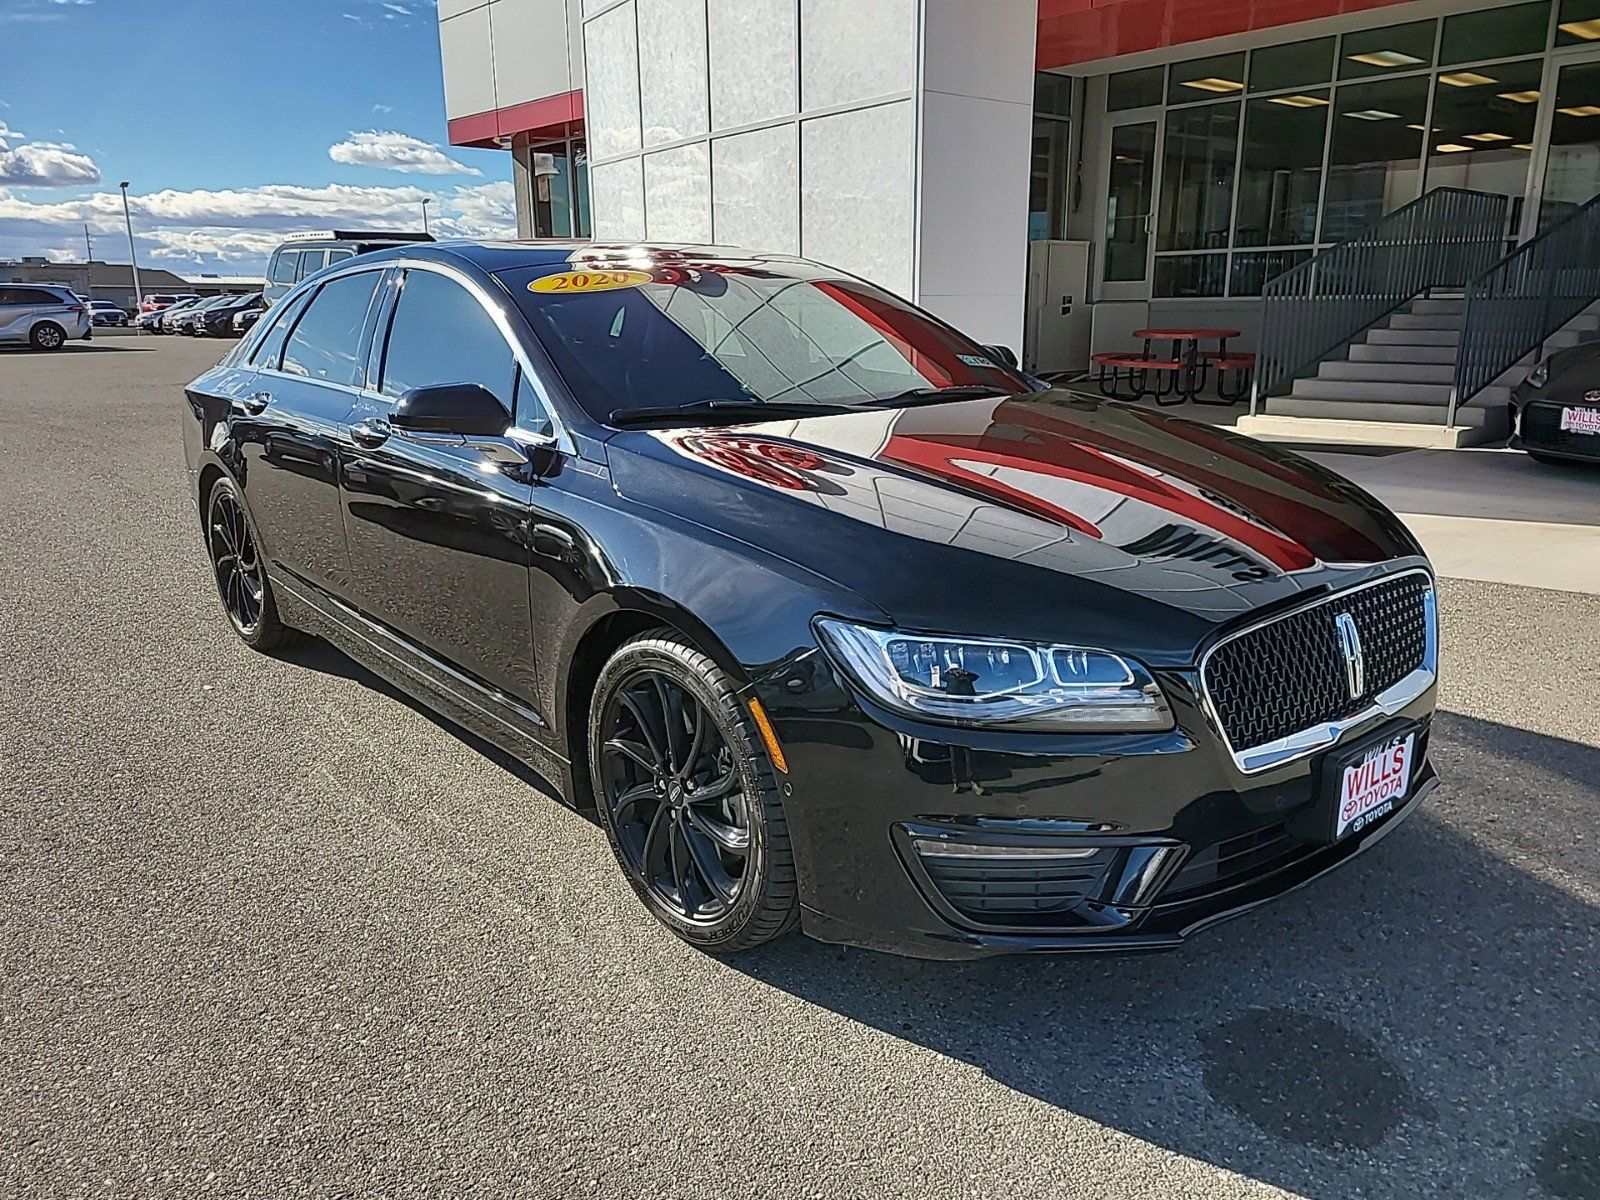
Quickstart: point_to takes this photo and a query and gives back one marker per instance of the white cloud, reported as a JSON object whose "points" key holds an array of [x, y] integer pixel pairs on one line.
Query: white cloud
{"points": [[391, 151], [43, 164], [383, 108], [238, 228]]}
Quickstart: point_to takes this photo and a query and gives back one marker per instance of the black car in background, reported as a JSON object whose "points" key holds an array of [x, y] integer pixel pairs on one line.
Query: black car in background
{"points": [[217, 321], [307, 253], [164, 320], [188, 321], [1555, 412], [832, 617], [244, 320]]}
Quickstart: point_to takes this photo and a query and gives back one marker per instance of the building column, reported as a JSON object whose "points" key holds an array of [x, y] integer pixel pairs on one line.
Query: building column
{"points": [[889, 138]]}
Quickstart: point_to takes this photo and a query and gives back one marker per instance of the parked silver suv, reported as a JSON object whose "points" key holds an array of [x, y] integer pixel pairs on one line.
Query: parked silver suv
{"points": [[42, 315]]}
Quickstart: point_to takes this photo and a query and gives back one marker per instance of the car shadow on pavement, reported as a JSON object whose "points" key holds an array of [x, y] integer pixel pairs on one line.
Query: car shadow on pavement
{"points": [[1424, 1021], [318, 655]]}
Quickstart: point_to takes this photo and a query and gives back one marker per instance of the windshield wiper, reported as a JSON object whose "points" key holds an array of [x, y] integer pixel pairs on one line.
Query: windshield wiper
{"points": [[938, 395], [758, 409]]}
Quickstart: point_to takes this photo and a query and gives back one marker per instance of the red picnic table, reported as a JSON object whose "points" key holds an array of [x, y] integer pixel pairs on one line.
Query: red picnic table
{"points": [[1193, 363]]}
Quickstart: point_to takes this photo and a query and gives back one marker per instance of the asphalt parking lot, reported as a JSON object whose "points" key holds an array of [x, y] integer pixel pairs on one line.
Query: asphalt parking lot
{"points": [[266, 929]]}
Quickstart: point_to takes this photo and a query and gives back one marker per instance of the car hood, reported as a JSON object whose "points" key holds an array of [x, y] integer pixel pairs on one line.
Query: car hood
{"points": [[1049, 516]]}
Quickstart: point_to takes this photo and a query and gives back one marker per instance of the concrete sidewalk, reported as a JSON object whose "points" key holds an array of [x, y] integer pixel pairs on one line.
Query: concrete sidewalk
{"points": [[1492, 515]]}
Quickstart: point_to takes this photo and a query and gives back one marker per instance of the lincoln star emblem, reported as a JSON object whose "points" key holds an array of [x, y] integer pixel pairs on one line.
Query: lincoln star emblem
{"points": [[1355, 667]]}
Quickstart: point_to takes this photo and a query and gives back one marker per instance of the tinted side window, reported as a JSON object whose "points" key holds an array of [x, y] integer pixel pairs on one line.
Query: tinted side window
{"points": [[33, 296], [326, 343], [8, 296], [283, 267], [441, 334], [269, 348], [311, 261], [335, 255]]}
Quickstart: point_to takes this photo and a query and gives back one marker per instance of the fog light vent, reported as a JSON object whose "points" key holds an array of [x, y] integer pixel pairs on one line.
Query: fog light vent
{"points": [[1013, 885]]}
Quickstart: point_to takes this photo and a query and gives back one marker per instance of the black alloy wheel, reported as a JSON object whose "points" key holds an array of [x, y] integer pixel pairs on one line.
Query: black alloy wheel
{"points": [[241, 576], [688, 796], [47, 335]]}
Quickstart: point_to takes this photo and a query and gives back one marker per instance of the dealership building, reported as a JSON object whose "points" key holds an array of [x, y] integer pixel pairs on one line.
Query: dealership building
{"points": [[1352, 185]]}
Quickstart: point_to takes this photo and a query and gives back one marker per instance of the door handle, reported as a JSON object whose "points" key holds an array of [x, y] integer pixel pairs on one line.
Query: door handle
{"points": [[256, 403], [372, 432]]}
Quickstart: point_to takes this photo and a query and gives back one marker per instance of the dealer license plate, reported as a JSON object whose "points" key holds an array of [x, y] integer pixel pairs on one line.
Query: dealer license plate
{"points": [[1580, 420], [1373, 785]]}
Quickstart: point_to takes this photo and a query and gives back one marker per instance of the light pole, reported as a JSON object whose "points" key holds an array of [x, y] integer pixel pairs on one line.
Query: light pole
{"points": [[133, 257], [426, 200]]}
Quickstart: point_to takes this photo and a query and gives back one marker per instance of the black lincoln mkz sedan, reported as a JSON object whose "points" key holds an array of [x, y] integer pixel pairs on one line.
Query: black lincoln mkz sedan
{"points": [[834, 618]]}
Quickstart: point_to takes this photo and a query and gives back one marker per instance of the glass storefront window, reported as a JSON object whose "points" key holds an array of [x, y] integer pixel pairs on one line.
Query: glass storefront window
{"points": [[1205, 78], [1578, 22], [1253, 271], [1385, 51], [1047, 180], [1129, 198], [1191, 274], [1052, 94], [1375, 154], [1483, 125], [558, 186], [1280, 170], [1134, 89], [1299, 64], [1572, 170], [1197, 177], [1494, 33]]}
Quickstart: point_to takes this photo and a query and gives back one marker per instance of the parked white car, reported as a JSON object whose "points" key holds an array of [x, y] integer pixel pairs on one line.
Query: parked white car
{"points": [[41, 315]]}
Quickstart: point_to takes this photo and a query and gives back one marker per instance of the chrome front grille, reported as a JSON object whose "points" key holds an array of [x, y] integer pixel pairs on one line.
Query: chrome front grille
{"points": [[1285, 687]]}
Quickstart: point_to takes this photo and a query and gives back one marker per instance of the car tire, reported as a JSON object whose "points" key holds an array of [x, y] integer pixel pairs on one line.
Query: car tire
{"points": [[239, 571], [47, 335], [693, 813]]}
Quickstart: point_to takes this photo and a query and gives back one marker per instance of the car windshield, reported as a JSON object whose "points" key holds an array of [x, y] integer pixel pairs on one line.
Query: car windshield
{"points": [[741, 333]]}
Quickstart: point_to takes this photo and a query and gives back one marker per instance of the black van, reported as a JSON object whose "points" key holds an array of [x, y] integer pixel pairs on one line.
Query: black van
{"points": [[306, 253]]}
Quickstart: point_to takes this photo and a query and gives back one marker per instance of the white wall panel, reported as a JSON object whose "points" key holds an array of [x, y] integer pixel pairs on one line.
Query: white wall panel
{"points": [[755, 189], [616, 190], [530, 50], [611, 93], [853, 50], [453, 8], [856, 202], [677, 189], [984, 50], [468, 59], [753, 52], [974, 197], [672, 69]]}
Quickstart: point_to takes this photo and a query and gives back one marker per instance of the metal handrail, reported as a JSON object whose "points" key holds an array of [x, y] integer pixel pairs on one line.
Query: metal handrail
{"points": [[1513, 306], [1441, 239]]}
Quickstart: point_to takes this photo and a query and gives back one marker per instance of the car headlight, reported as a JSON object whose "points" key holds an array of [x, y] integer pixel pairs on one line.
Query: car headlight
{"points": [[998, 682], [1540, 375]]}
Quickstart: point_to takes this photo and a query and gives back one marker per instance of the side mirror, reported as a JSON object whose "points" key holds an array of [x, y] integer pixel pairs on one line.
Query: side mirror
{"points": [[465, 409], [1003, 354]]}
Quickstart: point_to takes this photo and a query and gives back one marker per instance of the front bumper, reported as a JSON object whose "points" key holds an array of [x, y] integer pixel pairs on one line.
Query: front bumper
{"points": [[1536, 426], [1154, 836]]}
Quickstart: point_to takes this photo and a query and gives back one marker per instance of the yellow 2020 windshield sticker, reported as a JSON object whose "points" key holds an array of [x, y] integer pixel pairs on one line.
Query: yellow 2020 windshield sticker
{"points": [[589, 281]]}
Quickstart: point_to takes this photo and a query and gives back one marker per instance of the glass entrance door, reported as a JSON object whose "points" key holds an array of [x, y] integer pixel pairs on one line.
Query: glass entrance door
{"points": [[1130, 210], [1572, 162]]}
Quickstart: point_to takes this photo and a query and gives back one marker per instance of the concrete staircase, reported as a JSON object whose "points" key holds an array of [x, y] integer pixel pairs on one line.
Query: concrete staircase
{"points": [[1392, 386]]}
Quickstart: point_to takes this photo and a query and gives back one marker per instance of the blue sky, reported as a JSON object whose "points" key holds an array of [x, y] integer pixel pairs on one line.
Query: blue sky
{"points": [[235, 121]]}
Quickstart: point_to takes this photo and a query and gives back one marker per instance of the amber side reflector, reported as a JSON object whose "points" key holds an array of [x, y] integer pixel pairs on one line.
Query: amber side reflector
{"points": [[768, 735]]}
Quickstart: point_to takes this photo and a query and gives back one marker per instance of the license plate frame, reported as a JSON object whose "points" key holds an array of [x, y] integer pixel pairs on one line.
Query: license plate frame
{"points": [[1580, 418], [1340, 824]]}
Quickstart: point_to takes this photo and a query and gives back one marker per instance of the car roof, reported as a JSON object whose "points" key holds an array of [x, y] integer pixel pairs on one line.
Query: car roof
{"points": [[496, 256]]}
